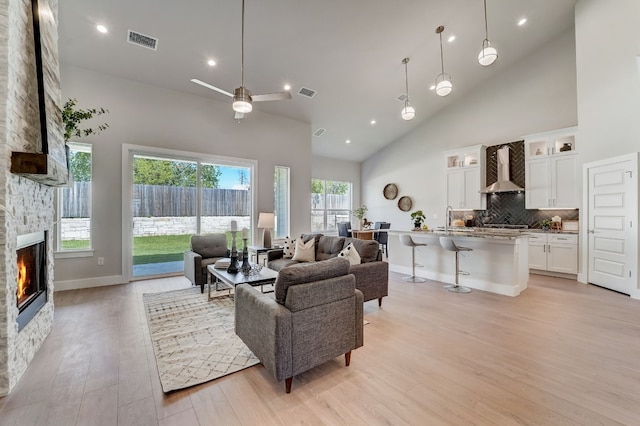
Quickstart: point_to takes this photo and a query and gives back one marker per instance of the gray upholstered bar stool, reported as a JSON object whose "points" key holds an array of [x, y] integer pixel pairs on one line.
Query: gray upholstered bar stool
{"points": [[447, 243], [406, 240]]}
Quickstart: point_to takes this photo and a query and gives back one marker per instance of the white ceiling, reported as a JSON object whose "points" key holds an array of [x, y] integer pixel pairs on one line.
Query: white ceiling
{"points": [[350, 52]]}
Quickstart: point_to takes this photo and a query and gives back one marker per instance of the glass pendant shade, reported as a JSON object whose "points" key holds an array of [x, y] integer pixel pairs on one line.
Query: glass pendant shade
{"points": [[488, 54], [443, 85], [408, 112]]}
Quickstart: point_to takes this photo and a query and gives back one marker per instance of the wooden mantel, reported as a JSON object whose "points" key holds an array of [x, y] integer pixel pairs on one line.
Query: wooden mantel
{"points": [[41, 168]]}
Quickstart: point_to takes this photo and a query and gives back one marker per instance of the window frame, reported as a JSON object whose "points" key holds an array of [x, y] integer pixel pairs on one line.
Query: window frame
{"points": [[324, 208], [287, 200], [60, 252]]}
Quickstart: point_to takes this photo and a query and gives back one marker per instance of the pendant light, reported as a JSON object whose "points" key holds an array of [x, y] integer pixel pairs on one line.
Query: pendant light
{"points": [[443, 80], [488, 54], [407, 112]]}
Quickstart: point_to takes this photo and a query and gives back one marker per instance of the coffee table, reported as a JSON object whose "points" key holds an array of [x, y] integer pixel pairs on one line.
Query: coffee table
{"points": [[217, 276]]}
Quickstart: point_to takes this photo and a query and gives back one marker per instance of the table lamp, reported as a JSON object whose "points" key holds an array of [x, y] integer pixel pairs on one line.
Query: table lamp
{"points": [[267, 221]]}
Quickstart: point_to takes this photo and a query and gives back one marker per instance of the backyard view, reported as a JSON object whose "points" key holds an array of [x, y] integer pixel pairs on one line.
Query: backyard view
{"points": [[167, 208]]}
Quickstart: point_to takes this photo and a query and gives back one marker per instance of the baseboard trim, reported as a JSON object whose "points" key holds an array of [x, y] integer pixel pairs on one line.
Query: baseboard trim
{"points": [[89, 283]]}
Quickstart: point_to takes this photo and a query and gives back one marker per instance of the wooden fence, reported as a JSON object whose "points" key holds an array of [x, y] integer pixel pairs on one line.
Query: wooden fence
{"points": [[163, 201]]}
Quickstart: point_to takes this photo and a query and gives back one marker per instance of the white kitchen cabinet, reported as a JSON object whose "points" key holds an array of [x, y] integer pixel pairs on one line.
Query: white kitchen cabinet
{"points": [[553, 252], [466, 177], [552, 171]]}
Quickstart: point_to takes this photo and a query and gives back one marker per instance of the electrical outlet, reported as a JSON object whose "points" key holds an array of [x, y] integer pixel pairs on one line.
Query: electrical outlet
{"points": [[101, 261]]}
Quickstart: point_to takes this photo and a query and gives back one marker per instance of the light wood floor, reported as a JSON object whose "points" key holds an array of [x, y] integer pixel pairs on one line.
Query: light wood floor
{"points": [[561, 353]]}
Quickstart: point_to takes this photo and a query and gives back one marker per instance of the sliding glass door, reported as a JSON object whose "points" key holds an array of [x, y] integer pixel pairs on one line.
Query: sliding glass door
{"points": [[173, 197]]}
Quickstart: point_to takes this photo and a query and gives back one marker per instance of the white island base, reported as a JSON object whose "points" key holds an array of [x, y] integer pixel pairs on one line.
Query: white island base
{"points": [[497, 264]]}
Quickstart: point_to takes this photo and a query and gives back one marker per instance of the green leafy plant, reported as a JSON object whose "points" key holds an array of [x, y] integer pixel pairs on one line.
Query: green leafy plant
{"points": [[72, 117], [360, 212], [545, 223], [417, 217]]}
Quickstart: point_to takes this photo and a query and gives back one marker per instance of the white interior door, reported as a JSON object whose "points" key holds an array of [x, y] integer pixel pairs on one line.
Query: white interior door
{"points": [[611, 228]]}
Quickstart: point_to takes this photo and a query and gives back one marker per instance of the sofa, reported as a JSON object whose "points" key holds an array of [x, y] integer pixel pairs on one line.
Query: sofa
{"points": [[205, 250], [372, 275], [316, 316]]}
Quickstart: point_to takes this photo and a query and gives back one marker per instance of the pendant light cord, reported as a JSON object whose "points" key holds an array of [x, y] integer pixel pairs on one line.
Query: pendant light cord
{"points": [[486, 27], [406, 78], [242, 44], [441, 54]]}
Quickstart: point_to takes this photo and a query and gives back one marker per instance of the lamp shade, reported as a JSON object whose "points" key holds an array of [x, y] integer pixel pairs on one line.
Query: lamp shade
{"points": [[444, 87], [242, 106], [408, 112], [266, 220], [487, 55]]}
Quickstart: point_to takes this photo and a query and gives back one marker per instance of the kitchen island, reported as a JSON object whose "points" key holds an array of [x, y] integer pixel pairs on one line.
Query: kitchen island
{"points": [[499, 262]]}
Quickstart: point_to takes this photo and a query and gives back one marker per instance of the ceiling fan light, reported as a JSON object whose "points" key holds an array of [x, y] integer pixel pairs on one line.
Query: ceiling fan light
{"points": [[242, 106], [408, 112]]}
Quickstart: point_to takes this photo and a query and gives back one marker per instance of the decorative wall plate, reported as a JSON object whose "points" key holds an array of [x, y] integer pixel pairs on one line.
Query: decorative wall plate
{"points": [[405, 203], [390, 191]]}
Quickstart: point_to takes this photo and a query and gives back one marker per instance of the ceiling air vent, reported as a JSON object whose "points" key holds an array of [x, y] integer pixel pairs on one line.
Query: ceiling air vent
{"points": [[402, 97], [319, 132], [142, 40], [306, 92]]}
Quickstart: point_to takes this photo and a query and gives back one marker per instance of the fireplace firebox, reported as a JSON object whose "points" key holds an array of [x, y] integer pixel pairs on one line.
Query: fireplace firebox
{"points": [[31, 291]]}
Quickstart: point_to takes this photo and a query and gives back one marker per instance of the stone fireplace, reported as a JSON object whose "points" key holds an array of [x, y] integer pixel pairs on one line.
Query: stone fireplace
{"points": [[27, 210]]}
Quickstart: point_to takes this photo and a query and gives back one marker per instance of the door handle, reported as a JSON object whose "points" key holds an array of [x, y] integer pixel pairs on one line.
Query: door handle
{"points": [[591, 231]]}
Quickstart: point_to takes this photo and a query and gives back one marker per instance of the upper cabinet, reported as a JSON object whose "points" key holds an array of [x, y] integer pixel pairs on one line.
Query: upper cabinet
{"points": [[552, 170], [466, 177]]}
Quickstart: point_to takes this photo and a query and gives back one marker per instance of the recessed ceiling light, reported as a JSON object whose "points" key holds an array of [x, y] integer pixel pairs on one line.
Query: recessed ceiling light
{"points": [[347, 141], [373, 122], [451, 38], [101, 28], [522, 21], [211, 63], [287, 87], [433, 86]]}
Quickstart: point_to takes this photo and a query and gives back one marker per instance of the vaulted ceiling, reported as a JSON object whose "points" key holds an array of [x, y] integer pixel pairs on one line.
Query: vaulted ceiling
{"points": [[349, 52]]}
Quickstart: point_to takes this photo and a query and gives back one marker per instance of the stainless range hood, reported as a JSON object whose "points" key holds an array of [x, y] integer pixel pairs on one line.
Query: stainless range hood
{"points": [[504, 183]]}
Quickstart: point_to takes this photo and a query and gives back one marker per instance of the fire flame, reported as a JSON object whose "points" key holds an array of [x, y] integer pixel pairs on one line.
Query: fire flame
{"points": [[22, 279]]}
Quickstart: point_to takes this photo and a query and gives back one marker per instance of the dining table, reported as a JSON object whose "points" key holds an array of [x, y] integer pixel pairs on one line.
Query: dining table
{"points": [[364, 234]]}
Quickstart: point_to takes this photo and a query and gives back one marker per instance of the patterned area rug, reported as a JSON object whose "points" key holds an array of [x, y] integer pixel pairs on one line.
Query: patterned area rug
{"points": [[194, 339]]}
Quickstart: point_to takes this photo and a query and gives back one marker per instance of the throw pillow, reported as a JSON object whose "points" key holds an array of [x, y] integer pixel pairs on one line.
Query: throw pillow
{"points": [[351, 254], [289, 248], [305, 252]]}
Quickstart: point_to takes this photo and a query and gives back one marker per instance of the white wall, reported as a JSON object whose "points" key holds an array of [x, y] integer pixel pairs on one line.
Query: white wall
{"points": [[151, 116], [608, 65], [536, 94]]}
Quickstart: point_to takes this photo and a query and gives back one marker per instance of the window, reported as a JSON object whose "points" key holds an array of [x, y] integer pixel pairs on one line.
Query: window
{"points": [[330, 204], [74, 202], [281, 201]]}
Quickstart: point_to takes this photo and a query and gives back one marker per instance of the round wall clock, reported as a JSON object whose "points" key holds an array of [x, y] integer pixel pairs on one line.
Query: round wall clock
{"points": [[390, 191], [405, 203]]}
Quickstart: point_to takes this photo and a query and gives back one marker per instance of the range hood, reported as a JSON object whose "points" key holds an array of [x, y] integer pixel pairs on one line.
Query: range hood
{"points": [[503, 184]]}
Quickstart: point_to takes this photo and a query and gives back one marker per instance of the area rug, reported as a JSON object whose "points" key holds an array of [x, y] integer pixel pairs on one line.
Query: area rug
{"points": [[194, 339]]}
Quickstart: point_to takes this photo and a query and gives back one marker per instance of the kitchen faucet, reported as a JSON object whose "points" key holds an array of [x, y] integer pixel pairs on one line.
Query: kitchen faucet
{"points": [[446, 218]]}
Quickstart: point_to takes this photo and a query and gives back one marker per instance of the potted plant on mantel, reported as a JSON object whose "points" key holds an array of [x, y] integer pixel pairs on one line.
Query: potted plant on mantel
{"points": [[359, 214], [417, 217], [72, 117]]}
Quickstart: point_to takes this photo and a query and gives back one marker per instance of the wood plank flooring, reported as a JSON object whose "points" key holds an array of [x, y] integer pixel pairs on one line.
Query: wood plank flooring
{"points": [[562, 353]]}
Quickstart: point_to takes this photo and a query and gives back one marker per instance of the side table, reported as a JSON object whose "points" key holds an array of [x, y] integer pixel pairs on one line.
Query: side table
{"points": [[257, 251]]}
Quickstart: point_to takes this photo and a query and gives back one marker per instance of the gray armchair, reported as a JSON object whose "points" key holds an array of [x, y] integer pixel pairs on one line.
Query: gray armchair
{"points": [[315, 317], [205, 250]]}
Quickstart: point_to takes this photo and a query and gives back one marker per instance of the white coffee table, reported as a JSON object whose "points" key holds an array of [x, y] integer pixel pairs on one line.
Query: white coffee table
{"points": [[218, 276]]}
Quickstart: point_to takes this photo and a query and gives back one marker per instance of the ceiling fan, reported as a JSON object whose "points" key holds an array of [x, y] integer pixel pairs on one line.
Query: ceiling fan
{"points": [[242, 97]]}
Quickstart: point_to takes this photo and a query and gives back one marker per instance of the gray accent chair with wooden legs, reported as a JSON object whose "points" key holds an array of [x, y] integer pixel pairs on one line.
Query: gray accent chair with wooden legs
{"points": [[205, 250], [316, 316]]}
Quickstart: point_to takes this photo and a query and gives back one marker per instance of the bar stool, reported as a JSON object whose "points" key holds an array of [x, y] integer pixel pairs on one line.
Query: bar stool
{"points": [[447, 243], [406, 240]]}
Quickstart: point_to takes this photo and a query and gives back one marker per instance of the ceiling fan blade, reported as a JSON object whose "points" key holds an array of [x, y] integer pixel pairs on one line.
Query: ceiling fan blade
{"points": [[278, 96], [208, 86], [239, 115]]}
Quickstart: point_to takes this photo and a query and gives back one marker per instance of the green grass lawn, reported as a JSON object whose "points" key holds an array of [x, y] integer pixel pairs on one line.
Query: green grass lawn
{"points": [[162, 248]]}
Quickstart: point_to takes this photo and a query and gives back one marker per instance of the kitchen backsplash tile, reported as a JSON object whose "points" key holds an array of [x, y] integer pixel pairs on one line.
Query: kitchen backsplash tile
{"points": [[509, 207]]}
